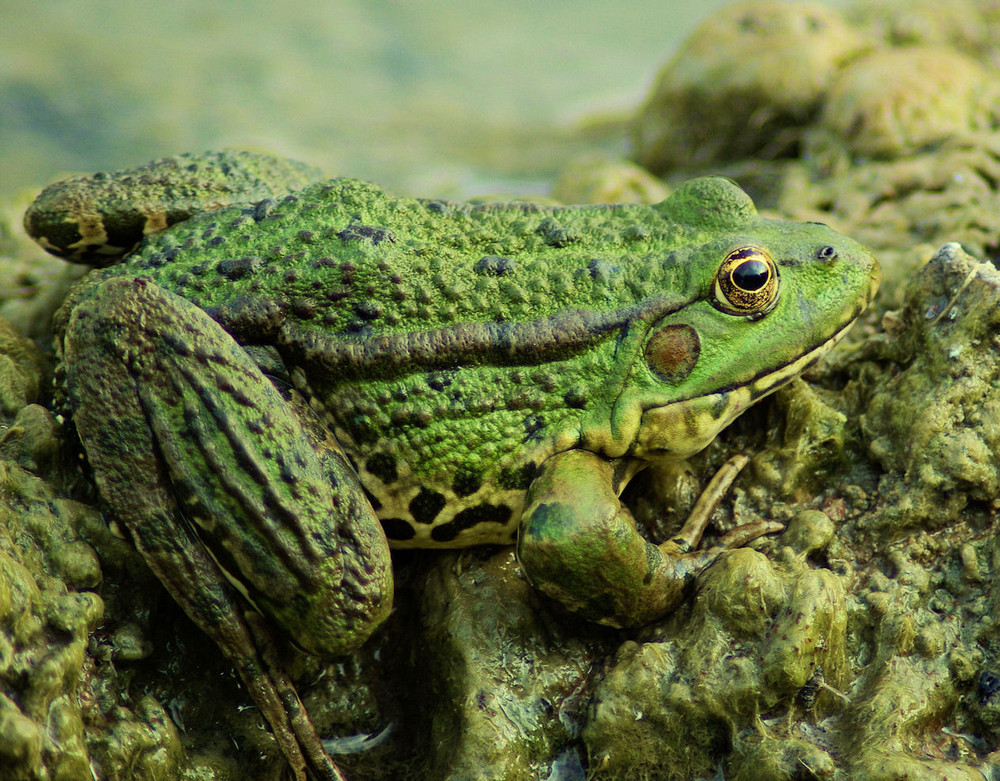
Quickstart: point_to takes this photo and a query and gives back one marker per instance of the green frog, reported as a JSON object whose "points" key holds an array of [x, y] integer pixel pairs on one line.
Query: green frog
{"points": [[272, 393]]}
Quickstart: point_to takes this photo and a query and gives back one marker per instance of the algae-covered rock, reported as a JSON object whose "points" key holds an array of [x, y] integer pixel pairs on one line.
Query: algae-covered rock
{"points": [[734, 100], [602, 180], [812, 447], [507, 692], [46, 613], [963, 24], [896, 102], [923, 620], [934, 424], [64, 714], [744, 83], [756, 634], [22, 371]]}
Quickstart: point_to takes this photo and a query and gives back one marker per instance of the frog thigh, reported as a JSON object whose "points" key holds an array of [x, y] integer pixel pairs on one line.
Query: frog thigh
{"points": [[166, 403]]}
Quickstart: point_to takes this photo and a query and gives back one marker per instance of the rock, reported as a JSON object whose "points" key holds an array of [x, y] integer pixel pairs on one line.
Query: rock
{"points": [[897, 102], [743, 84]]}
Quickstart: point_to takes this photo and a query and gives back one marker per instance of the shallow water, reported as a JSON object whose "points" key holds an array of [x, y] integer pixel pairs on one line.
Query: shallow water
{"points": [[438, 98]]}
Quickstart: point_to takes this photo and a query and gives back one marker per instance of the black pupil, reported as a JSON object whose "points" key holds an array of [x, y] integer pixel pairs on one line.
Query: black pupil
{"points": [[751, 275]]}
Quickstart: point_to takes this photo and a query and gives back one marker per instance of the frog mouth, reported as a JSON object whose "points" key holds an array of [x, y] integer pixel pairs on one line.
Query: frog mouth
{"points": [[683, 428], [766, 384]]}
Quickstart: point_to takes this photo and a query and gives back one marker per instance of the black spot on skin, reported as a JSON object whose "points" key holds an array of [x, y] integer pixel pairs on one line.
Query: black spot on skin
{"points": [[439, 380], [635, 233], [533, 424], [383, 466], [720, 405], [467, 481], [537, 529], [553, 234], [155, 260], [303, 308], [262, 210], [123, 233], [473, 516], [64, 233], [250, 316], [240, 267], [398, 529], [425, 506], [347, 273], [576, 398], [518, 478], [495, 265], [438, 207], [545, 381], [367, 310], [601, 269], [362, 431], [376, 235]]}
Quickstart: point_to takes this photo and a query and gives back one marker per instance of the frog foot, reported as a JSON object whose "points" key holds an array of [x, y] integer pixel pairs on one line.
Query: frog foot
{"points": [[689, 536], [579, 545]]}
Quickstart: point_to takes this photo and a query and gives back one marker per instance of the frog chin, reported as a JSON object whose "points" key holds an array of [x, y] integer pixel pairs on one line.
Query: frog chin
{"points": [[681, 429]]}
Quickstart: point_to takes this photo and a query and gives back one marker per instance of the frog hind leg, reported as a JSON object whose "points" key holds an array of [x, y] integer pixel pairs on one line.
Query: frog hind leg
{"points": [[579, 545], [224, 489]]}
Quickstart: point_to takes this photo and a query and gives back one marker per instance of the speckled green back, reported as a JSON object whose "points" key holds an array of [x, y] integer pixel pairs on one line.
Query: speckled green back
{"points": [[452, 347]]}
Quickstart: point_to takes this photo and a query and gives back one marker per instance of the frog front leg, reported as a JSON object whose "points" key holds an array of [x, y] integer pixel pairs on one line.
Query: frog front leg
{"points": [[580, 546], [224, 489]]}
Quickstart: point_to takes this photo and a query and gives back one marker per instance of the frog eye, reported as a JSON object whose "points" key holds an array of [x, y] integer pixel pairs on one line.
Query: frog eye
{"points": [[746, 283]]}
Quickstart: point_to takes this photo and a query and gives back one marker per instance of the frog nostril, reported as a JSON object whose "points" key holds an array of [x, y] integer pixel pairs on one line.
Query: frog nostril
{"points": [[827, 253]]}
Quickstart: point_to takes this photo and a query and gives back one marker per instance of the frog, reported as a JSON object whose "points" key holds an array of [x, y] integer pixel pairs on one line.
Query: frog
{"points": [[275, 386]]}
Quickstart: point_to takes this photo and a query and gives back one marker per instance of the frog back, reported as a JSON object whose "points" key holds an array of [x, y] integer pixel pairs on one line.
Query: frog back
{"points": [[452, 347]]}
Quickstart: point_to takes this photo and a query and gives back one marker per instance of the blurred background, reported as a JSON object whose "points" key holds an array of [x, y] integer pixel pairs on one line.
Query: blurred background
{"points": [[448, 98]]}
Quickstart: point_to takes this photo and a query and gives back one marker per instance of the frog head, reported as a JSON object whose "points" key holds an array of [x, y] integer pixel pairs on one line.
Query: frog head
{"points": [[767, 299]]}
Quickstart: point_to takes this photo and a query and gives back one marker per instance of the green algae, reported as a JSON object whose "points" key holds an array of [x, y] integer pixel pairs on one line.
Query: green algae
{"points": [[743, 85], [932, 423]]}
